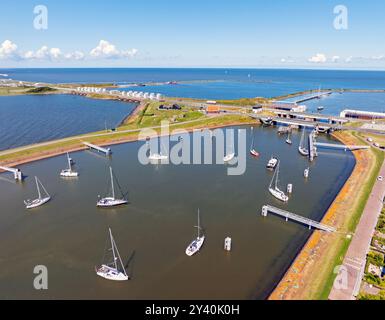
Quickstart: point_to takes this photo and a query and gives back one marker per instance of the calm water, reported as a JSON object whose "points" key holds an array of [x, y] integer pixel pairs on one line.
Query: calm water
{"points": [[235, 83], [30, 119], [336, 102], [68, 235]]}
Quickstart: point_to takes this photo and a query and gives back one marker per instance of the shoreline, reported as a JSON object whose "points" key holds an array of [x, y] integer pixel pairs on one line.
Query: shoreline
{"points": [[313, 261], [63, 150]]}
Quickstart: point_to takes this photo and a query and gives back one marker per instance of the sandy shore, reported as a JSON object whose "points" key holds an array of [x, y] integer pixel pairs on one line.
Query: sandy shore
{"points": [[308, 275]]}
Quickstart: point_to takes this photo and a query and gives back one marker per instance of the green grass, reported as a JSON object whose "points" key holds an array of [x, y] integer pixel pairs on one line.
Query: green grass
{"points": [[352, 224], [41, 90]]}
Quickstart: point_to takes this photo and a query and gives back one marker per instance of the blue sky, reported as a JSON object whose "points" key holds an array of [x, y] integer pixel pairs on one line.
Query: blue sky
{"points": [[246, 33]]}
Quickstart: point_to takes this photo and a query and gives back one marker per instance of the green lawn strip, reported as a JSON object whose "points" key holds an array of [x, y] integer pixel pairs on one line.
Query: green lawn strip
{"points": [[351, 225]]}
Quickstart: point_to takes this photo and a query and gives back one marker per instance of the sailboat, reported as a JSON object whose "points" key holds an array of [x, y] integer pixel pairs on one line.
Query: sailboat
{"points": [[302, 150], [112, 270], [306, 173], [157, 156], [230, 156], [30, 204], [111, 201], [273, 187], [288, 140], [197, 243], [68, 173], [253, 152]]}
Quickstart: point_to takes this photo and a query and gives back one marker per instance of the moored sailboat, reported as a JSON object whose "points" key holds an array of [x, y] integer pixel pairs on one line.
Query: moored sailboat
{"points": [[288, 139], [30, 204], [114, 268], [69, 173], [301, 149], [112, 201], [253, 152], [274, 189], [230, 155], [197, 243]]}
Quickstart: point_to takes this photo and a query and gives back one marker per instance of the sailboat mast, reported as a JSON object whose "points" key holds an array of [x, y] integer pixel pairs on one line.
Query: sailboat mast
{"points": [[199, 223], [120, 259], [113, 247], [112, 183], [69, 161], [38, 188], [276, 179], [252, 139]]}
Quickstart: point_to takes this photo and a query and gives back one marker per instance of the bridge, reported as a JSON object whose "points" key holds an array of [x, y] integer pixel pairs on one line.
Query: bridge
{"points": [[16, 172], [292, 216], [106, 151]]}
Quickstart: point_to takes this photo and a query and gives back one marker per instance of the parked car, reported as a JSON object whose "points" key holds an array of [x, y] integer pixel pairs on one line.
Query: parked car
{"points": [[380, 178], [369, 140]]}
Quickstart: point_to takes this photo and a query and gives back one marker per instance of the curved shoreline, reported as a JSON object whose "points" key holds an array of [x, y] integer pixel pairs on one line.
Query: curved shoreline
{"points": [[298, 282], [63, 150]]}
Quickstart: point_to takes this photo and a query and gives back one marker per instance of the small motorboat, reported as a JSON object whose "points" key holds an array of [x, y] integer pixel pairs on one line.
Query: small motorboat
{"points": [[272, 163]]}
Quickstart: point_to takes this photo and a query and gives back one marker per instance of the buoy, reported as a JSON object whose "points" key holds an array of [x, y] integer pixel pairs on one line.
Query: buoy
{"points": [[228, 244]]}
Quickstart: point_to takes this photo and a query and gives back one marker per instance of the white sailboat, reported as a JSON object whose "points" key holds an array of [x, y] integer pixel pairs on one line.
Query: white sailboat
{"points": [[229, 156], [274, 189], [306, 173], [301, 149], [157, 156], [112, 270], [197, 243], [253, 152], [69, 173], [288, 140], [30, 204], [111, 201]]}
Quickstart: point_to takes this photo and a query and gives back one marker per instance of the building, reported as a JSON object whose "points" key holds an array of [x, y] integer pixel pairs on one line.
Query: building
{"points": [[360, 114], [212, 109]]}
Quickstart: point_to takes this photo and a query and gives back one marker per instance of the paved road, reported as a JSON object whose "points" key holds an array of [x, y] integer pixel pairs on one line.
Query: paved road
{"points": [[355, 259]]}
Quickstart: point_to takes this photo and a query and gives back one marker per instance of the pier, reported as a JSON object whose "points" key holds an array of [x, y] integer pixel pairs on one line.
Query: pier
{"points": [[292, 216], [106, 151], [340, 146], [314, 96], [16, 172]]}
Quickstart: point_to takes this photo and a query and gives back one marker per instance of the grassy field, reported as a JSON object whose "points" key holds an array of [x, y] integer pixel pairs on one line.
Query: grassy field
{"points": [[188, 118], [342, 244]]}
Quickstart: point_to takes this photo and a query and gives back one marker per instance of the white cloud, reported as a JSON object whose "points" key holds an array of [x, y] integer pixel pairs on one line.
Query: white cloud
{"points": [[381, 57], [44, 53], [336, 59], [106, 49], [77, 55], [8, 49], [318, 58]]}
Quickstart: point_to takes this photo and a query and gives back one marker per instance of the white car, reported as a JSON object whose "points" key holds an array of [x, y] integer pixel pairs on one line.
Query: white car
{"points": [[376, 145], [380, 178], [370, 140]]}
